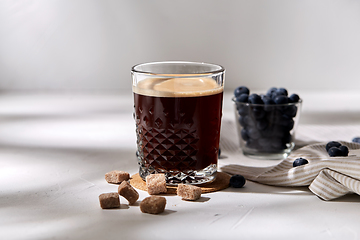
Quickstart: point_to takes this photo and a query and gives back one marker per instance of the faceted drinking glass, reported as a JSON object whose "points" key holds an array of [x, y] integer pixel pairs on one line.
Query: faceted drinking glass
{"points": [[178, 109]]}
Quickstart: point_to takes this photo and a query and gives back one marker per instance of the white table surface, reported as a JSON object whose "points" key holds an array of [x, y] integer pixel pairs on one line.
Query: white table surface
{"points": [[56, 148]]}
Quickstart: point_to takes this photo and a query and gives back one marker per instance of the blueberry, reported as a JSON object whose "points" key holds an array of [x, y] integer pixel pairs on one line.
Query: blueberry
{"points": [[268, 103], [258, 112], [285, 121], [290, 111], [299, 162], [290, 125], [270, 92], [294, 98], [280, 118], [267, 100], [243, 110], [264, 97], [261, 124], [344, 150], [281, 99], [219, 152], [242, 121], [332, 144], [137, 154], [237, 181], [253, 133], [240, 90], [356, 140], [244, 134], [243, 98], [335, 152], [249, 121], [281, 91], [255, 99]]}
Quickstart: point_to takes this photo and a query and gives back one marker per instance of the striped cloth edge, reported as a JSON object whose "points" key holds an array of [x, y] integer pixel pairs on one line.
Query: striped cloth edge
{"points": [[327, 177]]}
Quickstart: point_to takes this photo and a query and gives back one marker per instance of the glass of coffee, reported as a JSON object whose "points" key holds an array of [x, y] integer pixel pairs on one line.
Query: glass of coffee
{"points": [[178, 109]]}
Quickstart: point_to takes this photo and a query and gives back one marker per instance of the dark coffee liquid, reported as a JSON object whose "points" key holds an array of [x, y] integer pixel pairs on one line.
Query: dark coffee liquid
{"points": [[178, 133]]}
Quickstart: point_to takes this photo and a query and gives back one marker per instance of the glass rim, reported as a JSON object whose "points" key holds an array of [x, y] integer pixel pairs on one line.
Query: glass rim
{"points": [[220, 69], [262, 105]]}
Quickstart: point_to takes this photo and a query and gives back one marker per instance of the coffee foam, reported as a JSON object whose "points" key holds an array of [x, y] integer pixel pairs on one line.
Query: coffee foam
{"points": [[177, 87]]}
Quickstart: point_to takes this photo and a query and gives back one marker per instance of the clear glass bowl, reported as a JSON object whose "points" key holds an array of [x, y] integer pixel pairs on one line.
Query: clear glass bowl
{"points": [[267, 131]]}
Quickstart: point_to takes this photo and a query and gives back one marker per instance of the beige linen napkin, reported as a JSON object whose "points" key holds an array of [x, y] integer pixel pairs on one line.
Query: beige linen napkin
{"points": [[327, 177]]}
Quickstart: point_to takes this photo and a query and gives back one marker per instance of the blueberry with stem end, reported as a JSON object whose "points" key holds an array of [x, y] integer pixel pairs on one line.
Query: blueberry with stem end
{"points": [[282, 91], [332, 144], [299, 162], [237, 181]]}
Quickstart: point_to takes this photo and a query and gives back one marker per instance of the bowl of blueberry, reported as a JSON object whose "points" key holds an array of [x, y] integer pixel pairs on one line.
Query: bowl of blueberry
{"points": [[266, 123]]}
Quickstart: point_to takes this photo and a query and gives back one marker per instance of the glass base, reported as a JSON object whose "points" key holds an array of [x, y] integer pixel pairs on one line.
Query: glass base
{"points": [[173, 178], [253, 153]]}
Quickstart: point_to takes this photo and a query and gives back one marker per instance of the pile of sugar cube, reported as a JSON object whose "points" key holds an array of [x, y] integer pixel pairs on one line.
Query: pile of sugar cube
{"points": [[155, 183]]}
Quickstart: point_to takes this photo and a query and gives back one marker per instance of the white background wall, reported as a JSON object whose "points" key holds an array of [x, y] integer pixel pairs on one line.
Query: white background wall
{"points": [[91, 45]]}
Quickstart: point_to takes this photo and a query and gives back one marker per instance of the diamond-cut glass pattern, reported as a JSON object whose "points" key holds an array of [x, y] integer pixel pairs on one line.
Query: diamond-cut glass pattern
{"points": [[169, 149]]}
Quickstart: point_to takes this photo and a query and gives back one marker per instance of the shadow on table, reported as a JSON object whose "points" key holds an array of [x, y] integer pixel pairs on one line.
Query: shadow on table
{"points": [[348, 198], [258, 188], [254, 187]]}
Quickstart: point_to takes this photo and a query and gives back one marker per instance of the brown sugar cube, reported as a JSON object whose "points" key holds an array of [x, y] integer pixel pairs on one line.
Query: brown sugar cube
{"points": [[128, 192], [189, 192], [153, 205], [156, 184], [109, 200], [117, 176]]}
